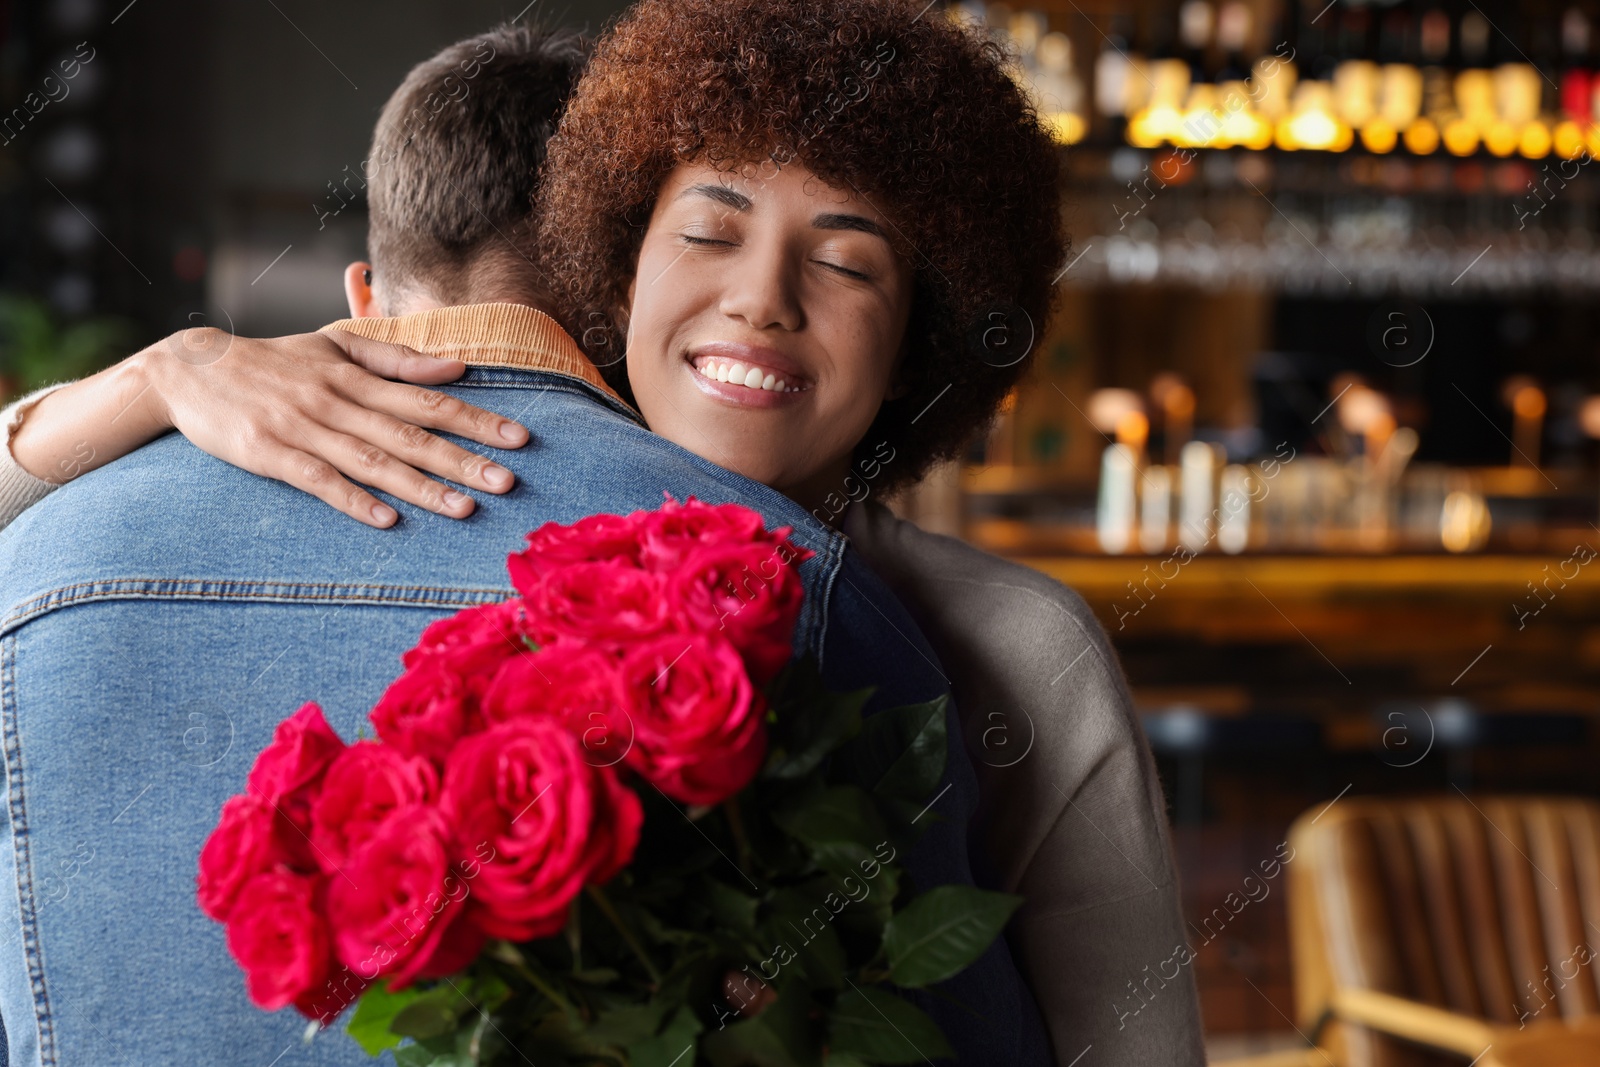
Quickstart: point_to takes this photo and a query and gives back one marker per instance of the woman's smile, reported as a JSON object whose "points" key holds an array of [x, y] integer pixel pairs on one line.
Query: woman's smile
{"points": [[750, 375]]}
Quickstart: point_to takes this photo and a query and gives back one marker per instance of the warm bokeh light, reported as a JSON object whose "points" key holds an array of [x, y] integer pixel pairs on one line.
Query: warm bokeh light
{"points": [[1313, 124], [1378, 136], [1400, 93], [1536, 141], [1460, 137], [1568, 140], [1500, 138], [1107, 407], [1065, 126], [1422, 137], [1464, 521]]}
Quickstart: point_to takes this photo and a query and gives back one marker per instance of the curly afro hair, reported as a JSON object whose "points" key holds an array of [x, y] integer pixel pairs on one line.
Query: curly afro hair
{"points": [[890, 98]]}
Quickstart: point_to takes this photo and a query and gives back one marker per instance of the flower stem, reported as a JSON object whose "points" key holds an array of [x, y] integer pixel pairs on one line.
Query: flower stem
{"points": [[604, 904], [736, 828], [548, 990]]}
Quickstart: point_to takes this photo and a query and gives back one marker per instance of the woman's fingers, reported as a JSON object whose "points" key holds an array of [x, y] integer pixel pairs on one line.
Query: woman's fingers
{"points": [[396, 361], [358, 459], [316, 476], [413, 445], [423, 407]]}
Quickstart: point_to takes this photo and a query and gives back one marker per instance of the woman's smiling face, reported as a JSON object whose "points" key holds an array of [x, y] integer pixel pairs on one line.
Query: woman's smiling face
{"points": [[767, 318]]}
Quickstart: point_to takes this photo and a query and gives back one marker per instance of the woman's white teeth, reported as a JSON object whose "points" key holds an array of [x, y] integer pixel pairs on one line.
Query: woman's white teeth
{"points": [[749, 377]]}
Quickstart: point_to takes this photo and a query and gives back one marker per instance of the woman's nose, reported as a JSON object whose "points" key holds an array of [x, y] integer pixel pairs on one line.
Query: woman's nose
{"points": [[763, 290]]}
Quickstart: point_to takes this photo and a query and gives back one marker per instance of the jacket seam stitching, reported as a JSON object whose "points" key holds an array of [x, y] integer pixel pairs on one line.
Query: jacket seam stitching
{"points": [[234, 589], [16, 808]]}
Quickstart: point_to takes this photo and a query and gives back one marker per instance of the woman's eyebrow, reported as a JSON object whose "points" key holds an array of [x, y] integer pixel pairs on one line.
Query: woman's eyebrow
{"points": [[720, 193], [859, 223]]}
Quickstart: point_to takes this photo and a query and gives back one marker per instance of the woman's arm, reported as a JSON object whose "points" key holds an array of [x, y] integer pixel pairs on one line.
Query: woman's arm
{"points": [[309, 410], [19, 490], [1071, 813]]}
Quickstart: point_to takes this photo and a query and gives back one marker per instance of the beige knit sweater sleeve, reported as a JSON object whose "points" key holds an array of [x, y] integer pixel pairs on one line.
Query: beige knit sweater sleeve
{"points": [[19, 490], [1071, 814]]}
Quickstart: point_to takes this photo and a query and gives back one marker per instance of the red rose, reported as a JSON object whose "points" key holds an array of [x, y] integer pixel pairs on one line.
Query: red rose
{"points": [[553, 546], [278, 935], [492, 624], [697, 719], [429, 707], [393, 909], [361, 787], [251, 837], [342, 988], [288, 770], [572, 683], [750, 593], [542, 821], [676, 530], [602, 603]]}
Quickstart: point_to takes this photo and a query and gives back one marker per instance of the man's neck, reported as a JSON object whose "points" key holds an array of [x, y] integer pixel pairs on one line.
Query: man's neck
{"points": [[485, 335]]}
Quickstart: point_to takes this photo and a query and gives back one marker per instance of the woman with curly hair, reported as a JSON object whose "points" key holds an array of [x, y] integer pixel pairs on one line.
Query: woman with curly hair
{"points": [[937, 199], [811, 241]]}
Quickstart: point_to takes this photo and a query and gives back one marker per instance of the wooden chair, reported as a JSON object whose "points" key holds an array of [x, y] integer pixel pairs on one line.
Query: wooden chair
{"points": [[1447, 931]]}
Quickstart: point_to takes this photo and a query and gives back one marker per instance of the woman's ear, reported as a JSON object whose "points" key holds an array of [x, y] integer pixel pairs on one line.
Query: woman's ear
{"points": [[358, 291]]}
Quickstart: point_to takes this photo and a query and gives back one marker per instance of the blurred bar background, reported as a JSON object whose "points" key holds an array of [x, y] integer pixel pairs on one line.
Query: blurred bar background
{"points": [[1313, 432]]}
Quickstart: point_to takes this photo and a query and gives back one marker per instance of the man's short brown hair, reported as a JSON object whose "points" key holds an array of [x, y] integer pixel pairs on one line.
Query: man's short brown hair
{"points": [[454, 164]]}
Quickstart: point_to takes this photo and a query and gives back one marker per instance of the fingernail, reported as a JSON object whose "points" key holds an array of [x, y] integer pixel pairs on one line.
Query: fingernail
{"points": [[510, 431], [496, 477], [383, 513], [453, 499]]}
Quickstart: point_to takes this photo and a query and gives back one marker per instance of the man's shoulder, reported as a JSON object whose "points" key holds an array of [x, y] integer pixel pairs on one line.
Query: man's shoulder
{"points": [[170, 512]]}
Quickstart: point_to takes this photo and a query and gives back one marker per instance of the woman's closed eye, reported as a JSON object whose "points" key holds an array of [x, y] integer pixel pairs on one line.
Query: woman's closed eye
{"points": [[704, 242], [848, 272]]}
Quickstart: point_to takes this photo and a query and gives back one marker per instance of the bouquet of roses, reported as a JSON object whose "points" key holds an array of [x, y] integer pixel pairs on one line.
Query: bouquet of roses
{"points": [[605, 822]]}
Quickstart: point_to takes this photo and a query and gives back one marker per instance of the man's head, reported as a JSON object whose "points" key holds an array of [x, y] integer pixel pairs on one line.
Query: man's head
{"points": [[451, 175]]}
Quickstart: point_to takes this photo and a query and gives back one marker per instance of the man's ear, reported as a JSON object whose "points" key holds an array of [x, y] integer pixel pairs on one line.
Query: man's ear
{"points": [[358, 291]]}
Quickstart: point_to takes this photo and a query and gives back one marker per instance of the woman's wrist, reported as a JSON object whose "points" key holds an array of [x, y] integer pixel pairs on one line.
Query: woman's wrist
{"points": [[91, 422]]}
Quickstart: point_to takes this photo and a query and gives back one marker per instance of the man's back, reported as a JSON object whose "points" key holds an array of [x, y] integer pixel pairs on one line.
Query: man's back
{"points": [[161, 615]]}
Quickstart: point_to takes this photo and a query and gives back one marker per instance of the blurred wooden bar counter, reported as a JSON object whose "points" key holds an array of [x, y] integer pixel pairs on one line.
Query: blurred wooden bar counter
{"points": [[1343, 634]]}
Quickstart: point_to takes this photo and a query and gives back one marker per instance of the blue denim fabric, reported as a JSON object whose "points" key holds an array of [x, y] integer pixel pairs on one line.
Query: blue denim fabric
{"points": [[158, 618]]}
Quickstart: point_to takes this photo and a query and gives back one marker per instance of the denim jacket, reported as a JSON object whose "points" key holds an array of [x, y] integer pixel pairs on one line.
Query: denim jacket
{"points": [[160, 615]]}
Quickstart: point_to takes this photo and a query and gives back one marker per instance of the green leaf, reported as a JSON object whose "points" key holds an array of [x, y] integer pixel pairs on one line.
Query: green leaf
{"points": [[433, 1014], [839, 825], [811, 721], [866, 916], [802, 919], [417, 1056], [375, 1011], [435, 1052], [627, 1024], [874, 1025], [900, 753], [783, 1035], [843, 1059], [729, 907], [668, 1048], [942, 931]]}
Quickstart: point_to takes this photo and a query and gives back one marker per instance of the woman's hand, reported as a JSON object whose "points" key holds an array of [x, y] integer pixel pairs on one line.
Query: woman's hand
{"points": [[316, 411], [308, 410]]}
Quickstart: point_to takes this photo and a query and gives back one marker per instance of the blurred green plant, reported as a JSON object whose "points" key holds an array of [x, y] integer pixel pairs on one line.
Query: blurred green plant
{"points": [[37, 347]]}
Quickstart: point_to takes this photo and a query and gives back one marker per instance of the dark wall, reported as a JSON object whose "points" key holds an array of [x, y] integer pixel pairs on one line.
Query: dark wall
{"points": [[197, 146]]}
